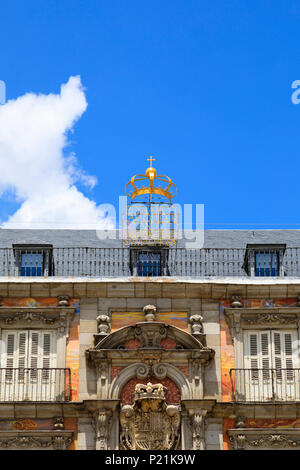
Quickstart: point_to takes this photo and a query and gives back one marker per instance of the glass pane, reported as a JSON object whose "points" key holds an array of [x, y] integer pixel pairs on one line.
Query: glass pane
{"points": [[266, 264], [31, 264], [149, 264]]}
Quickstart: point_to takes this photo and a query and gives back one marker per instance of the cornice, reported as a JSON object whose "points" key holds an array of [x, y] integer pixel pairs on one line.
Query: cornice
{"points": [[257, 310], [267, 438], [52, 317], [275, 317], [56, 440]]}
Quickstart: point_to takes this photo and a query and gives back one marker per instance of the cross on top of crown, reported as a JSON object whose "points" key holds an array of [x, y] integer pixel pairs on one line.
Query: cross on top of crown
{"points": [[151, 159]]}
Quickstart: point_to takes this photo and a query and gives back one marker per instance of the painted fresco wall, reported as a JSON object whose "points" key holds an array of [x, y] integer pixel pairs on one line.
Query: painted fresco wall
{"points": [[121, 319], [227, 363], [72, 361]]}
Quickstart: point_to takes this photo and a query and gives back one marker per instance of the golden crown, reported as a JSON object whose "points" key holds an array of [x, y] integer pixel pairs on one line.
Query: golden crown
{"points": [[167, 190]]}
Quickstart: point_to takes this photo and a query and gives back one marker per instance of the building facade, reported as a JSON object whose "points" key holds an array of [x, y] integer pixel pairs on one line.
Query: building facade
{"points": [[144, 346]]}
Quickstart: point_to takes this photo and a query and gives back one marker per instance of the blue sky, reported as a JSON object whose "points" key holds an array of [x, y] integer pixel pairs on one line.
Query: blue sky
{"points": [[203, 86]]}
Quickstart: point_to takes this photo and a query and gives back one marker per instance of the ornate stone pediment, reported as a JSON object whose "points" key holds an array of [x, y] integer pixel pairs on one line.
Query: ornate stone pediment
{"points": [[264, 438], [149, 424], [150, 336]]}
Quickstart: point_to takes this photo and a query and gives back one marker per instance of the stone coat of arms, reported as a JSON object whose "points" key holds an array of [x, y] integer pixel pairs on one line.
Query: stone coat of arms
{"points": [[150, 423]]}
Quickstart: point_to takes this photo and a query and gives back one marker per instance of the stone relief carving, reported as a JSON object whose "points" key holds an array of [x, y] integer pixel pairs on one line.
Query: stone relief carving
{"points": [[151, 336], [198, 428], [242, 318], [266, 318], [58, 442], [29, 317], [61, 442], [149, 424], [49, 316], [149, 312], [262, 439], [151, 370], [102, 424]]}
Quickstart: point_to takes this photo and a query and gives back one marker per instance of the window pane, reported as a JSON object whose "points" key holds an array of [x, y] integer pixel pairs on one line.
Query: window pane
{"points": [[266, 264], [31, 264], [149, 264]]}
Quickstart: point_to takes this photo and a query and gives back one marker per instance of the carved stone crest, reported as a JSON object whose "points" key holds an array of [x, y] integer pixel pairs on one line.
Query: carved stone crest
{"points": [[149, 424]]}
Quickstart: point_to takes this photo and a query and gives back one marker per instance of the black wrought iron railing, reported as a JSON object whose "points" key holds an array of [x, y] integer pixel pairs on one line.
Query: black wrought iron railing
{"points": [[35, 384], [117, 262], [265, 385]]}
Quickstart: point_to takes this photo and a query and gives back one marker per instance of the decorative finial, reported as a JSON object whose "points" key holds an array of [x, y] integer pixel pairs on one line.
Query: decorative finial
{"points": [[151, 159], [149, 312]]}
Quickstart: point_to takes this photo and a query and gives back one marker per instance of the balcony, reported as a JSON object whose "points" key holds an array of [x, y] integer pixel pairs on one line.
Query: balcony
{"points": [[35, 384], [265, 385], [118, 262]]}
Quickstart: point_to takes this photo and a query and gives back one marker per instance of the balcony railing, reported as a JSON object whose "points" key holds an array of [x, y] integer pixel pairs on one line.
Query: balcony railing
{"points": [[265, 385], [30, 384], [117, 262]]}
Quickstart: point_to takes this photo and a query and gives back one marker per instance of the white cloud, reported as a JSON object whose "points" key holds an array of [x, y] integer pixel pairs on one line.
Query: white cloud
{"points": [[33, 135]]}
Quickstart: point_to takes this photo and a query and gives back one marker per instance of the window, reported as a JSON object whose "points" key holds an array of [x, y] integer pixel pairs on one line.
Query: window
{"points": [[32, 264], [270, 362], [149, 262], [27, 369], [34, 260], [266, 263], [264, 260]]}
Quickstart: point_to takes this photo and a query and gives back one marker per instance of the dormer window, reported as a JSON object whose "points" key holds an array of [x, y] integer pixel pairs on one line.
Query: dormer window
{"points": [[264, 260], [149, 262], [266, 263], [33, 260]]}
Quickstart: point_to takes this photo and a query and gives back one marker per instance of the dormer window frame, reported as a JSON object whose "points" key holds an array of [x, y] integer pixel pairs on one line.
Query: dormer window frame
{"points": [[135, 252], [250, 262], [46, 250]]}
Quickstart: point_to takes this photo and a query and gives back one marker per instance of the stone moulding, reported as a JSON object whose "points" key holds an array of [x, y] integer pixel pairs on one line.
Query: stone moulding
{"points": [[238, 318], [51, 317], [264, 438], [141, 371], [150, 334], [51, 440], [150, 359]]}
